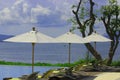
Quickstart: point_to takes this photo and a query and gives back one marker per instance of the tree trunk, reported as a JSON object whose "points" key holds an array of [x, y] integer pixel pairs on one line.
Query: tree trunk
{"points": [[112, 50], [82, 26], [93, 52], [111, 22]]}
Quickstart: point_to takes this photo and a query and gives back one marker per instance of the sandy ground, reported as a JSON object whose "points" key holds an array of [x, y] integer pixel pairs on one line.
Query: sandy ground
{"points": [[104, 76]]}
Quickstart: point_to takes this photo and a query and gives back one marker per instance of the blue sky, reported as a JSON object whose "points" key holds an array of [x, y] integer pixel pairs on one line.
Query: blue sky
{"points": [[48, 16]]}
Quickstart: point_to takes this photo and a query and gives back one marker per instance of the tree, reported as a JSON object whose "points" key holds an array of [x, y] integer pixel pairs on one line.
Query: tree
{"points": [[85, 19], [86, 22], [111, 20]]}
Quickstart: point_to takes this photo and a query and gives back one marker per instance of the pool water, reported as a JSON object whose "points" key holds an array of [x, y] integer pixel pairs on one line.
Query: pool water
{"points": [[18, 71]]}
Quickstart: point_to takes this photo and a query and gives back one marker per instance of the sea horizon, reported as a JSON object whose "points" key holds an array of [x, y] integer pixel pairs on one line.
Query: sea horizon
{"points": [[49, 53]]}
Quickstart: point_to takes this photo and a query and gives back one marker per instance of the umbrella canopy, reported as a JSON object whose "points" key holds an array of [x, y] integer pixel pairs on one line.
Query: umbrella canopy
{"points": [[69, 38], [31, 37], [95, 37]]}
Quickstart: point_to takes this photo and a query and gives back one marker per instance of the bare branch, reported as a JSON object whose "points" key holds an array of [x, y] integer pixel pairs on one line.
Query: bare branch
{"points": [[92, 17], [76, 14], [78, 6]]}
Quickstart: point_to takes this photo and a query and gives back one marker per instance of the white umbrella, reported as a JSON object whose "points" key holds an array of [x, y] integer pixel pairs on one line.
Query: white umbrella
{"points": [[69, 38], [31, 37], [95, 37]]}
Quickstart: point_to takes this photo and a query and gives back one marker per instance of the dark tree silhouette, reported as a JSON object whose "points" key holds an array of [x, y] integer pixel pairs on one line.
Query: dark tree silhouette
{"points": [[84, 18]]}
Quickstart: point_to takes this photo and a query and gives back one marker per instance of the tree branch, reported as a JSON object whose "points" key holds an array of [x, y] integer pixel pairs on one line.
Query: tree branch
{"points": [[92, 17], [76, 14]]}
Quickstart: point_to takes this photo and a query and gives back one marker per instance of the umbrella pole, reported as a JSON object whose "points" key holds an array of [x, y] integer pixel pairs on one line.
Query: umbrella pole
{"points": [[69, 53], [33, 45], [95, 45]]}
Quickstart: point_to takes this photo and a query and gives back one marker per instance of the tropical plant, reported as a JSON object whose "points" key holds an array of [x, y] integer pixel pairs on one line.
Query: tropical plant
{"points": [[85, 18]]}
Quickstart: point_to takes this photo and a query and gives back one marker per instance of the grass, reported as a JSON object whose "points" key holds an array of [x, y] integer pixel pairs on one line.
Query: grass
{"points": [[43, 64], [81, 61], [14, 63]]}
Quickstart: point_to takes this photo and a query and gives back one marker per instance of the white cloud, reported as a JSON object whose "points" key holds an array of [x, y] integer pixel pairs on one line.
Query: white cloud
{"points": [[5, 14], [66, 13], [17, 13], [18, 2], [64, 8], [38, 10], [5, 11], [25, 7]]}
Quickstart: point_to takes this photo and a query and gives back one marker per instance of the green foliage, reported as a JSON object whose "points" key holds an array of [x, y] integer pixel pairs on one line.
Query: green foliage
{"points": [[43, 64], [116, 63], [63, 64], [79, 62], [47, 74], [73, 6], [112, 10], [112, 1], [74, 22], [14, 63], [82, 15], [88, 57]]}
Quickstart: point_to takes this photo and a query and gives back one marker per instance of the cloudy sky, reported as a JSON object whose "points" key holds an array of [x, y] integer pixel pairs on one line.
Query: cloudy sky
{"points": [[48, 16]]}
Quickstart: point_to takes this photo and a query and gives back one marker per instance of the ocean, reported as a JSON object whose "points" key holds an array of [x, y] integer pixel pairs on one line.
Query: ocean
{"points": [[51, 53]]}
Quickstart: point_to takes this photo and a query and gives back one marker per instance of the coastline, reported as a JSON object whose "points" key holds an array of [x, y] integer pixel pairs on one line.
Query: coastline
{"points": [[37, 64], [81, 61]]}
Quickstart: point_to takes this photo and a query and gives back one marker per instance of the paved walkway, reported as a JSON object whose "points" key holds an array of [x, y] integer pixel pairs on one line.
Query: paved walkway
{"points": [[105, 76]]}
